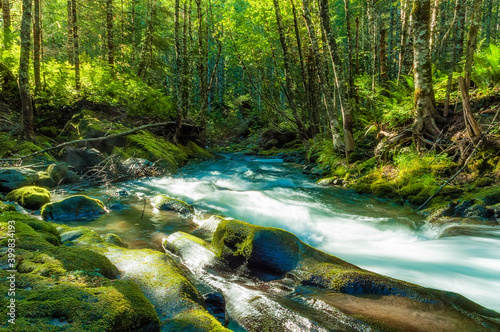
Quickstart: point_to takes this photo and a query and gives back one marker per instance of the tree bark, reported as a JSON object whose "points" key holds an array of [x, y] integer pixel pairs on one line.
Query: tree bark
{"points": [[109, 33], [202, 62], [177, 72], [383, 59], [454, 58], [290, 84], [473, 128], [434, 15], [472, 42], [147, 46], [350, 72], [24, 66], [425, 110], [133, 31], [323, 82], [6, 23], [405, 18], [76, 47], [339, 82], [70, 43], [37, 44]]}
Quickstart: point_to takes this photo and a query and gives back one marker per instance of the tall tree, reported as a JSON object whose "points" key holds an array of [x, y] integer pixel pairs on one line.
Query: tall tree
{"points": [[202, 60], [323, 82], [472, 42], [425, 109], [290, 84], [37, 44], [76, 46], [24, 67], [70, 44], [109, 32], [177, 71], [6, 22], [345, 106], [405, 19]]}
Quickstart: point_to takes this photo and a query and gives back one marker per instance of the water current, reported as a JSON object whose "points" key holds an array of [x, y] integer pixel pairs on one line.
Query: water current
{"points": [[378, 235]]}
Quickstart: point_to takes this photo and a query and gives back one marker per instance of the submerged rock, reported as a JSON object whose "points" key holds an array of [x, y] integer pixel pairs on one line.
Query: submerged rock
{"points": [[16, 177], [165, 203], [30, 197], [72, 208], [54, 175]]}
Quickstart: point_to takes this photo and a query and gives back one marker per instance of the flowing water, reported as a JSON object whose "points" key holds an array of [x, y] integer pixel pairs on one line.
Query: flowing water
{"points": [[374, 234]]}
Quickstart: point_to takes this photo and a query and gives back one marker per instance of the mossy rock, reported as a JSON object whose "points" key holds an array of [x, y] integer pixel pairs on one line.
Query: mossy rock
{"points": [[265, 249], [54, 175], [196, 152], [6, 207], [73, 208], [115, 239], [383, 189], [165, 203], [195, 320], [78, 303], [362, 188], [30, 197], [12, 178], [36, 238], [81, 236]]}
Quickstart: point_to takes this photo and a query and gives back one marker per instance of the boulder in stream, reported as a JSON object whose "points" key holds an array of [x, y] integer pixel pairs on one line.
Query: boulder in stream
{"points": [[73, 208], [165, 203], [30, 197], [16, 177]]}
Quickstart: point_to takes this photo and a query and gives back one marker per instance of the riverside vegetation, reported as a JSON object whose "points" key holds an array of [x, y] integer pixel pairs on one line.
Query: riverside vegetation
{"points": [[367, 99]]}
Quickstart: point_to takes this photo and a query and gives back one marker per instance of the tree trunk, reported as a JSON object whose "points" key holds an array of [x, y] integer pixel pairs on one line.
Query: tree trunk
{"points": [[6, 22], [357, 46], [405, 18], [186, 61], [37, 43], [133, 32], [434, 15], [109, 33], [350, 73], [147, 46], [425, 110], [472, 43], [290, 84], [372, 31], [383, 60], [473, 128], [24, 67], [70, 43], [202, 63], [339, 82], [76, 48], [323, 82], [177, 71], [454, 58]]}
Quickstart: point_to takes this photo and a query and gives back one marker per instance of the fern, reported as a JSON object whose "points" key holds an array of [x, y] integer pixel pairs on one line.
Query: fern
{"points": [[486, 72]]}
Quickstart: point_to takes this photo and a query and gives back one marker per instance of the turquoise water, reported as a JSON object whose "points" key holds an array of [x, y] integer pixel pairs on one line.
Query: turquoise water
{"points": [[377, 235]]}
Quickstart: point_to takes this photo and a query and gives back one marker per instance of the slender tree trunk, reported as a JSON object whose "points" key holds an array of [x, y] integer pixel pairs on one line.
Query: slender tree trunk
{"points": [[383, 63], [37, 43], [454, 58], [339, 82], [109, 33], [472, 43], [323, 82], [76, 47], [147, 46], [177, 73], [357, 46], [425, 110], [434, 15], [186, 61], [133, 31], [6, 23], [70, 43], [24, 66], [350, 73], [372, 31], [405, 18], [290, 84], [202, 62]]}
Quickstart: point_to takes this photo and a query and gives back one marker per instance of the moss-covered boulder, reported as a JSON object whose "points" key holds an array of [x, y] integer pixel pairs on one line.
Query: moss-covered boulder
{"points": [[16, 177], [30, 197], [165, 203], [72, 208], [6, 207], [265, 249], [67, 289], [115, 239], [54, 175]]}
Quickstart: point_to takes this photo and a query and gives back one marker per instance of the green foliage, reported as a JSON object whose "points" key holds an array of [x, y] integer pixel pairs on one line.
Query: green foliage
{"points": [[486, 71]]}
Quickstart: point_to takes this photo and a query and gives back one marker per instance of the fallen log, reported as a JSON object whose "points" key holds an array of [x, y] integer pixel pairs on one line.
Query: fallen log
{"points": [[98, 139]]}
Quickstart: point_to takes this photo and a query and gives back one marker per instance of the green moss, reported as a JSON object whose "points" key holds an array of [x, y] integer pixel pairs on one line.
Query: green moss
{"points": [[6, 207], [79, 304], [233, 238], [30, 197], [26, 237], [146, 145], [74, 207], [114, 239], [195, 320], [81, 236], [166, 203], [194, 151], [383, 189]]}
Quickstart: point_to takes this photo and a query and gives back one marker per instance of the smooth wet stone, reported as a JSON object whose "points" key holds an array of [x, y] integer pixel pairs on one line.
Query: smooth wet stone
{"points": [[73, 208], [16, 177]]}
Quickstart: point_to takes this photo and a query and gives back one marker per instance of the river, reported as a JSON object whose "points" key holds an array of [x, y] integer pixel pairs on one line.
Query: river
{"points": [[375, 234]]}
